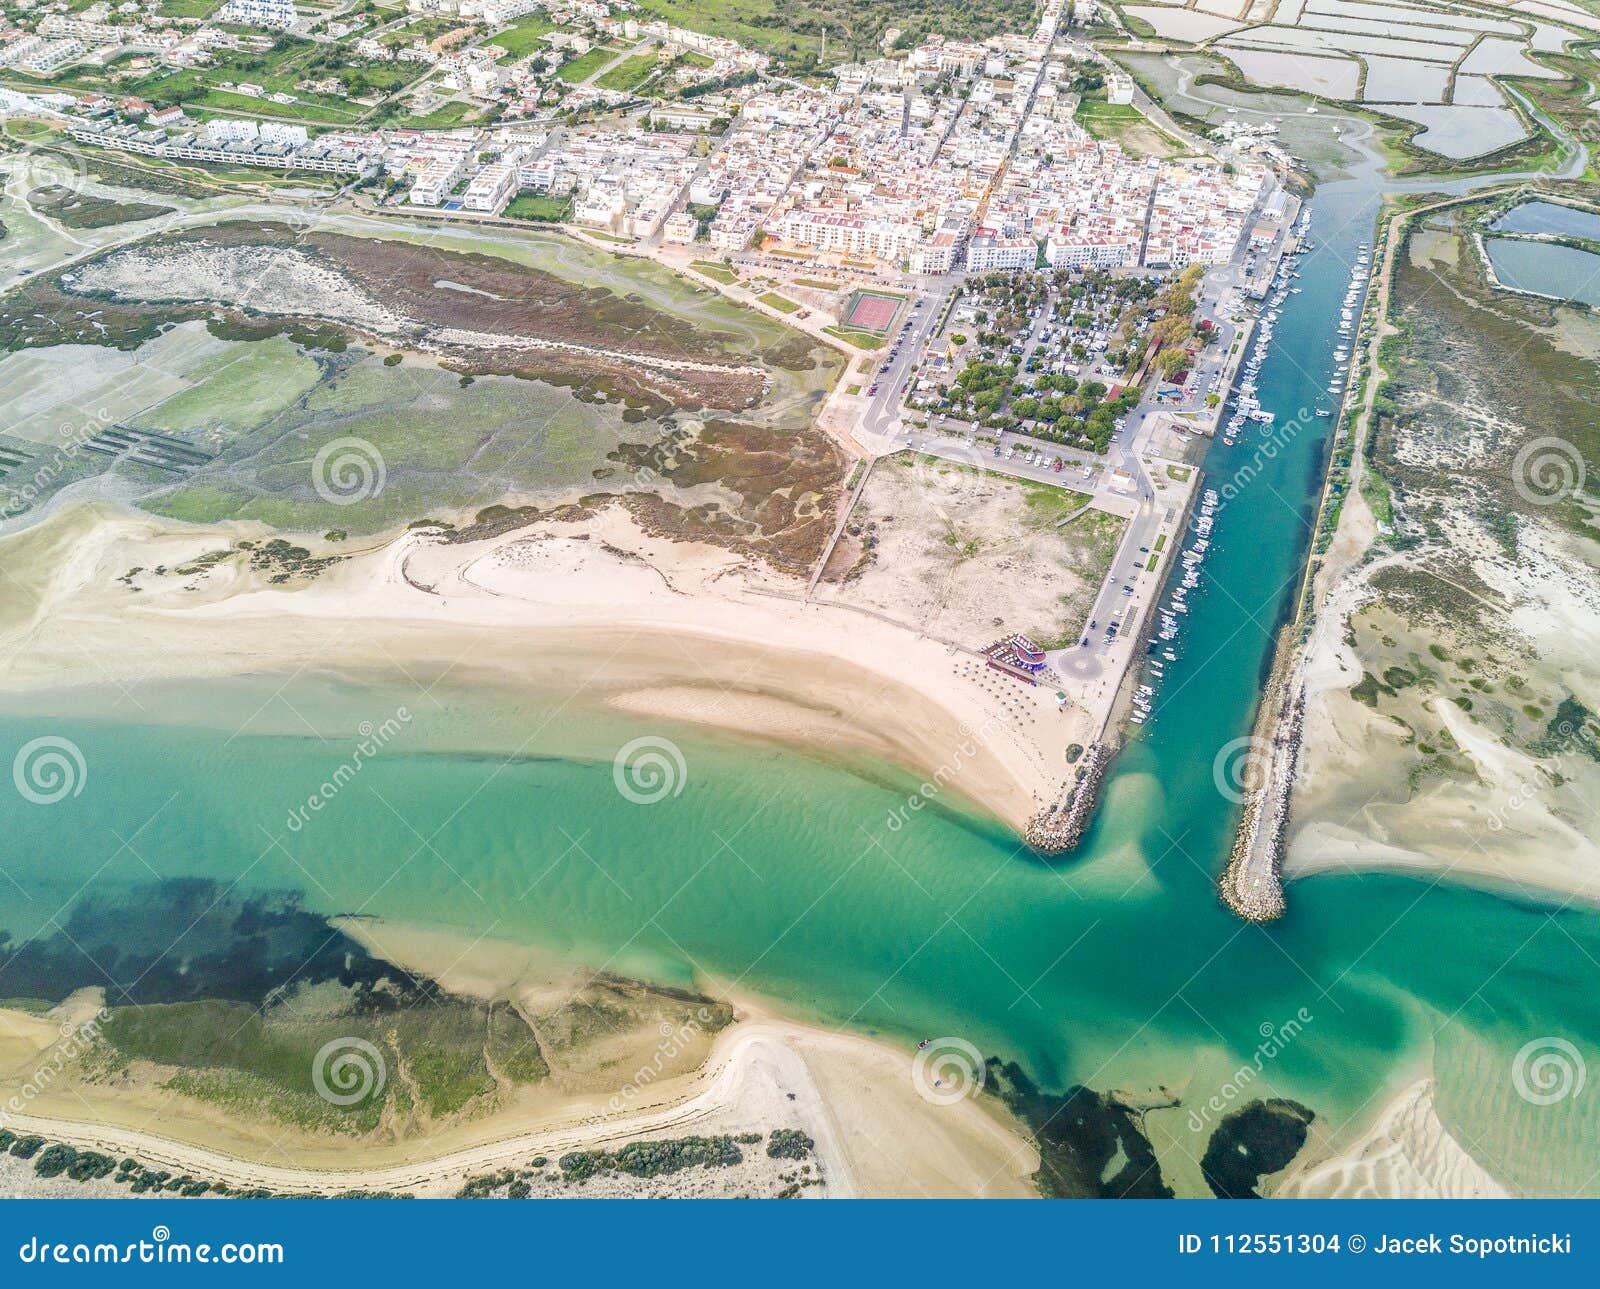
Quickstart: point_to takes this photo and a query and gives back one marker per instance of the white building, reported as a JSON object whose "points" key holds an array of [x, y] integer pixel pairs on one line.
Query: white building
{"points": [[491, 188], [848, 234], [680, 228], [601, 204], [499, 12], [289, 136], [1065, 248], [988, 250], [437, 180], [230, 129], [48, 56], [937, 254], [93, 33]]}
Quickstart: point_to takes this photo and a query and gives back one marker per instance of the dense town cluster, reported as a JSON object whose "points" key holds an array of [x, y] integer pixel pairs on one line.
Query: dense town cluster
{"points": [[427, 62], [941, 155]]}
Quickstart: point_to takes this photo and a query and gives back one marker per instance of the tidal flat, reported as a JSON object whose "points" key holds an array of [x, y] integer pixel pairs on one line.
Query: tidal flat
{"points": [[541, 369]]}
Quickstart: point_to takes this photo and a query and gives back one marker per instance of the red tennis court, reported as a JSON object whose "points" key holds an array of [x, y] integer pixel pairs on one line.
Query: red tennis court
{"points": [[871, 312]]}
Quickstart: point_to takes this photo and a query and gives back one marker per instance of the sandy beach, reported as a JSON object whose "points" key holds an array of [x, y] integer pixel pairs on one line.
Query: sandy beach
{"points": [[598, 611], [875, 1133], [1407, 1153]]}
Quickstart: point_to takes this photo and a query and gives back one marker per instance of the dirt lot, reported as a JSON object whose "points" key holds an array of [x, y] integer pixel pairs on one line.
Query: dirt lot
{"points": [[968, 556]]}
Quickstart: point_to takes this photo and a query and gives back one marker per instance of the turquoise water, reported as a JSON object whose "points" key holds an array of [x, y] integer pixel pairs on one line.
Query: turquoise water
{"points": [[1116, 968], [1561, 272]]}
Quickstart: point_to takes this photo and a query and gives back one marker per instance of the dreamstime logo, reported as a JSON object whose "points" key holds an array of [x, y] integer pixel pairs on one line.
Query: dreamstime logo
{"points": [[1082, 663], [973, 741], [1547, 470], [1274, 1039], [374, 738], [347, 1070], [1548, 1070], [1240, 767], [1525, 791], [679, 435], [951, 481], [1282, 436], [32, 168], [19, 491], [948, 1070], [348, 470], [76, 1039], [649, 769], [675, 1041], [49, 769]]}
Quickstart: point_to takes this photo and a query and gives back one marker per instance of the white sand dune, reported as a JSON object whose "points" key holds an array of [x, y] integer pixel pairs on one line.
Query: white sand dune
{"points": [[1406, 1154]]}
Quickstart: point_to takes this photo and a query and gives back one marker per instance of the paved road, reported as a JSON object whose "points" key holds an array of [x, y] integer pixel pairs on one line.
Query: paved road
{"points": [[880, 420]]}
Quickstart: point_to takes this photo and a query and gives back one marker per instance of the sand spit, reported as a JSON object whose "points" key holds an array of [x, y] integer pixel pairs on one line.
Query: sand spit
{"points": [[857, 1099], [1424, 748], [294, 282], [874, 1135], [594, 609], [1407, 1153]]}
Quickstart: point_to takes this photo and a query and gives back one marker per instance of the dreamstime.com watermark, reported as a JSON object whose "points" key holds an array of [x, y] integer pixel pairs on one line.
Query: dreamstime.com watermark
{"points": [[77, 1037], [1547, 1070], [675, 1041], [972, 743], [1240, 767], [1284, 433], [950, 483], [20, 491], [349, 1070], [1525, 790], [160, 1249], [31, 167], [1274, 1039], [947, 1070], [649, 769], [1548, 470], [374, 738], [348, 470], [49, 769]]}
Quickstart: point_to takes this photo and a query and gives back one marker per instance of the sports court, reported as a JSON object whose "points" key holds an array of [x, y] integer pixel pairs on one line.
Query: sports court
{"points": [[872, 311]]}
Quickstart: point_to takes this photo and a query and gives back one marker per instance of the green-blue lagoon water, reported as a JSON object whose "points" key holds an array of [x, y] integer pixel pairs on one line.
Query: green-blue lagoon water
{"points": [[497, 815]]}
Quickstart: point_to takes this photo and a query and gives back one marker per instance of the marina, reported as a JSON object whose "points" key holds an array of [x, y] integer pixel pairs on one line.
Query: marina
{"points": [[1244, 407]]}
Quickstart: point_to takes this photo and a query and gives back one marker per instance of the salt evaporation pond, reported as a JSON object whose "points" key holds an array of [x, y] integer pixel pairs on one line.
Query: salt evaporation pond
{"points": [[1549, 217], [1548, 268]]}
